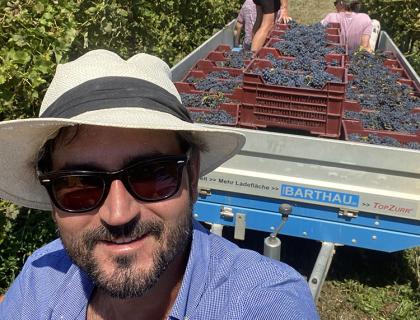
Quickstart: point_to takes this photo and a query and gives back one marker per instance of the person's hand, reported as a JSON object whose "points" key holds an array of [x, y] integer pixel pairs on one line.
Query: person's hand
{"points": [[284, 16]]}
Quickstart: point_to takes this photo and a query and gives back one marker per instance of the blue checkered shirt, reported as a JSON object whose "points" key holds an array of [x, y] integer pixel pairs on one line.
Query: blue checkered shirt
{"points": [[221, 281]]}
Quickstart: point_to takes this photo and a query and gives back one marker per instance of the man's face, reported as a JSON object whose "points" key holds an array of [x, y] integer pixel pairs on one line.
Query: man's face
{"points": [[125, 244]]}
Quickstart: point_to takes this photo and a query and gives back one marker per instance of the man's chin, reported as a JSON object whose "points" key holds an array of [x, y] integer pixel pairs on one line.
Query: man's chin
{"points": [[123, 277]]}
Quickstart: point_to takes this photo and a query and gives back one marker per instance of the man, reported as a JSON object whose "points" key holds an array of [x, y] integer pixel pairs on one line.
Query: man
{"points": [[266, 17], [245, 20], [117, 158], [356, 28]]}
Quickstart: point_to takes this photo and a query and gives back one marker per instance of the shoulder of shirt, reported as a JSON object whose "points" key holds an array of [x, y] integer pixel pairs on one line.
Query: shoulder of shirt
{"points": [[49, 259], [54, 247], [331, 14], [255, 284], [248, 267], [362, 15]]}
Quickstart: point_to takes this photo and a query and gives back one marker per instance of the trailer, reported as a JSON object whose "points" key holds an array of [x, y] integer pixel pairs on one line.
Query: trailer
{"points": [[332, 191]]}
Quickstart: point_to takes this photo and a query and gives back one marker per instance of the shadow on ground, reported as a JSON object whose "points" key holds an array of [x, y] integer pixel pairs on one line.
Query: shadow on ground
{"points": [[369, 267]]}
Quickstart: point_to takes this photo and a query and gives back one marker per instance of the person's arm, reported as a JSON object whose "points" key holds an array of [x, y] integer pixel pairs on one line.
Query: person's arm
{"points": [[237, 33], [364, 42], [367, 31], [284, 12]]}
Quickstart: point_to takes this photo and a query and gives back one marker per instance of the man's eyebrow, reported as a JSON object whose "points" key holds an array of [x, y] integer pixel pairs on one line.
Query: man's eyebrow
{"points": [[88, 166], [134, 159], [94, 166]]}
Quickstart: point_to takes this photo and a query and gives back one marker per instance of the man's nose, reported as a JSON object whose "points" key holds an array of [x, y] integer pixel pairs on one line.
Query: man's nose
{"points": [[119, 206]]}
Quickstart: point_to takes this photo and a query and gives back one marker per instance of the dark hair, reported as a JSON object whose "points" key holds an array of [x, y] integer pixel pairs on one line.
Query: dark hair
{"points": [[66, 135], [349, 5]]}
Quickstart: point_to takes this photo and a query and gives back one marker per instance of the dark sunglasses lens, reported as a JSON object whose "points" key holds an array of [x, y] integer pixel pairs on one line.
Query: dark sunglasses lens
{"points": [[78, 193], [154, 181]]}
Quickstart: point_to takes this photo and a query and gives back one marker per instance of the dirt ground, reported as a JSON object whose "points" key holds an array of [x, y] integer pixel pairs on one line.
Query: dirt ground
{"points": [[310, 11]]}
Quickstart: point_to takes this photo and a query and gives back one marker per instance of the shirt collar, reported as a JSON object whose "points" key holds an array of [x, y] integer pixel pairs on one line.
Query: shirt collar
{"points": [[195, 277]]}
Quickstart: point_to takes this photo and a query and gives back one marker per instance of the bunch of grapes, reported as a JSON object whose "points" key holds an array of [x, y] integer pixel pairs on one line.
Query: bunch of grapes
{"points": [[309, 45], [386, 141], [236, 59], [309, 79], [203, 100], [309, 42], [299, 63], [386, 120], [213, 117], [378, 89], [212, 83]]}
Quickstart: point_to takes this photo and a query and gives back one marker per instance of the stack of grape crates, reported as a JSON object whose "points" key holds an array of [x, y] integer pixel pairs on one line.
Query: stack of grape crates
{"points": [[316, 110], [212, 89], [228, 88], [382, 103]]}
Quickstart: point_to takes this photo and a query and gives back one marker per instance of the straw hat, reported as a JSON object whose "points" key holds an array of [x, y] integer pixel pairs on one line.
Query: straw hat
{"points": [[101, 89]]}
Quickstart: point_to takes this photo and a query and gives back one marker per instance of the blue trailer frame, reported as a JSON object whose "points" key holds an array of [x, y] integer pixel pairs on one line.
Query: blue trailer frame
{"points": [[357, 218]]}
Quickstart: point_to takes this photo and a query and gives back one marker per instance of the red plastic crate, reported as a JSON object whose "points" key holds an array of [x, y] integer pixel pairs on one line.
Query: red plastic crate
{"points": [[252, 80], [274, 33], [333, 38], [208, 66], [184, 87], [400, 71], [291, 115], [223, 48], [218, 59], [281, 26], [334, 25], [230, 108], [265, 51], [272, 41], [329, 58], [203, 72], [356, 127], [317, 111], [333, 31], [351, 105], [390, 55], [200, 74], [392, 63], [410, 83]]}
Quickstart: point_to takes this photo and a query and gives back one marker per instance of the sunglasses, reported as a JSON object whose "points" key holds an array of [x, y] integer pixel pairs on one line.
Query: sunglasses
{"points": [[150, 180]]}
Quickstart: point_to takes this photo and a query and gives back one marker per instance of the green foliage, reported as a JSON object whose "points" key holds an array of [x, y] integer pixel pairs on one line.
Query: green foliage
{"points": [[392, 302], [364, 284], [34, 36], [401, 19], [22, 231], [168, 29]]}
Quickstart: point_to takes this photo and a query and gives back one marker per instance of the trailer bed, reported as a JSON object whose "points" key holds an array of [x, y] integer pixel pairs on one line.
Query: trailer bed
{"points": [[343, 192]]}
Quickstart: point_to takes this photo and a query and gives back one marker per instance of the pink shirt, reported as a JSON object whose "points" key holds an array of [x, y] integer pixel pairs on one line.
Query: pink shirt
{"points": [[247, 17], [353, 26]]}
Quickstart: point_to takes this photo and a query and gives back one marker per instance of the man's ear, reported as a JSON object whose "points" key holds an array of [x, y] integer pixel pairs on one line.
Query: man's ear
{"points": [[53, 215], [193, 175]]}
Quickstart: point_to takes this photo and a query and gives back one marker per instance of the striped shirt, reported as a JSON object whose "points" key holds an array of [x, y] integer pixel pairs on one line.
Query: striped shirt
{"points": [[247, 16], [221, 281]]}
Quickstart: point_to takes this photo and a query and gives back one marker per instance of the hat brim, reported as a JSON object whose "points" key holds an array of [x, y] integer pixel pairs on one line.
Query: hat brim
{"points": [[21, 140]]}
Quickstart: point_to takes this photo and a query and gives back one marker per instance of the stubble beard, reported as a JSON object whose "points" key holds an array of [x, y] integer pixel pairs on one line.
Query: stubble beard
{"points": [[127, 280]]}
